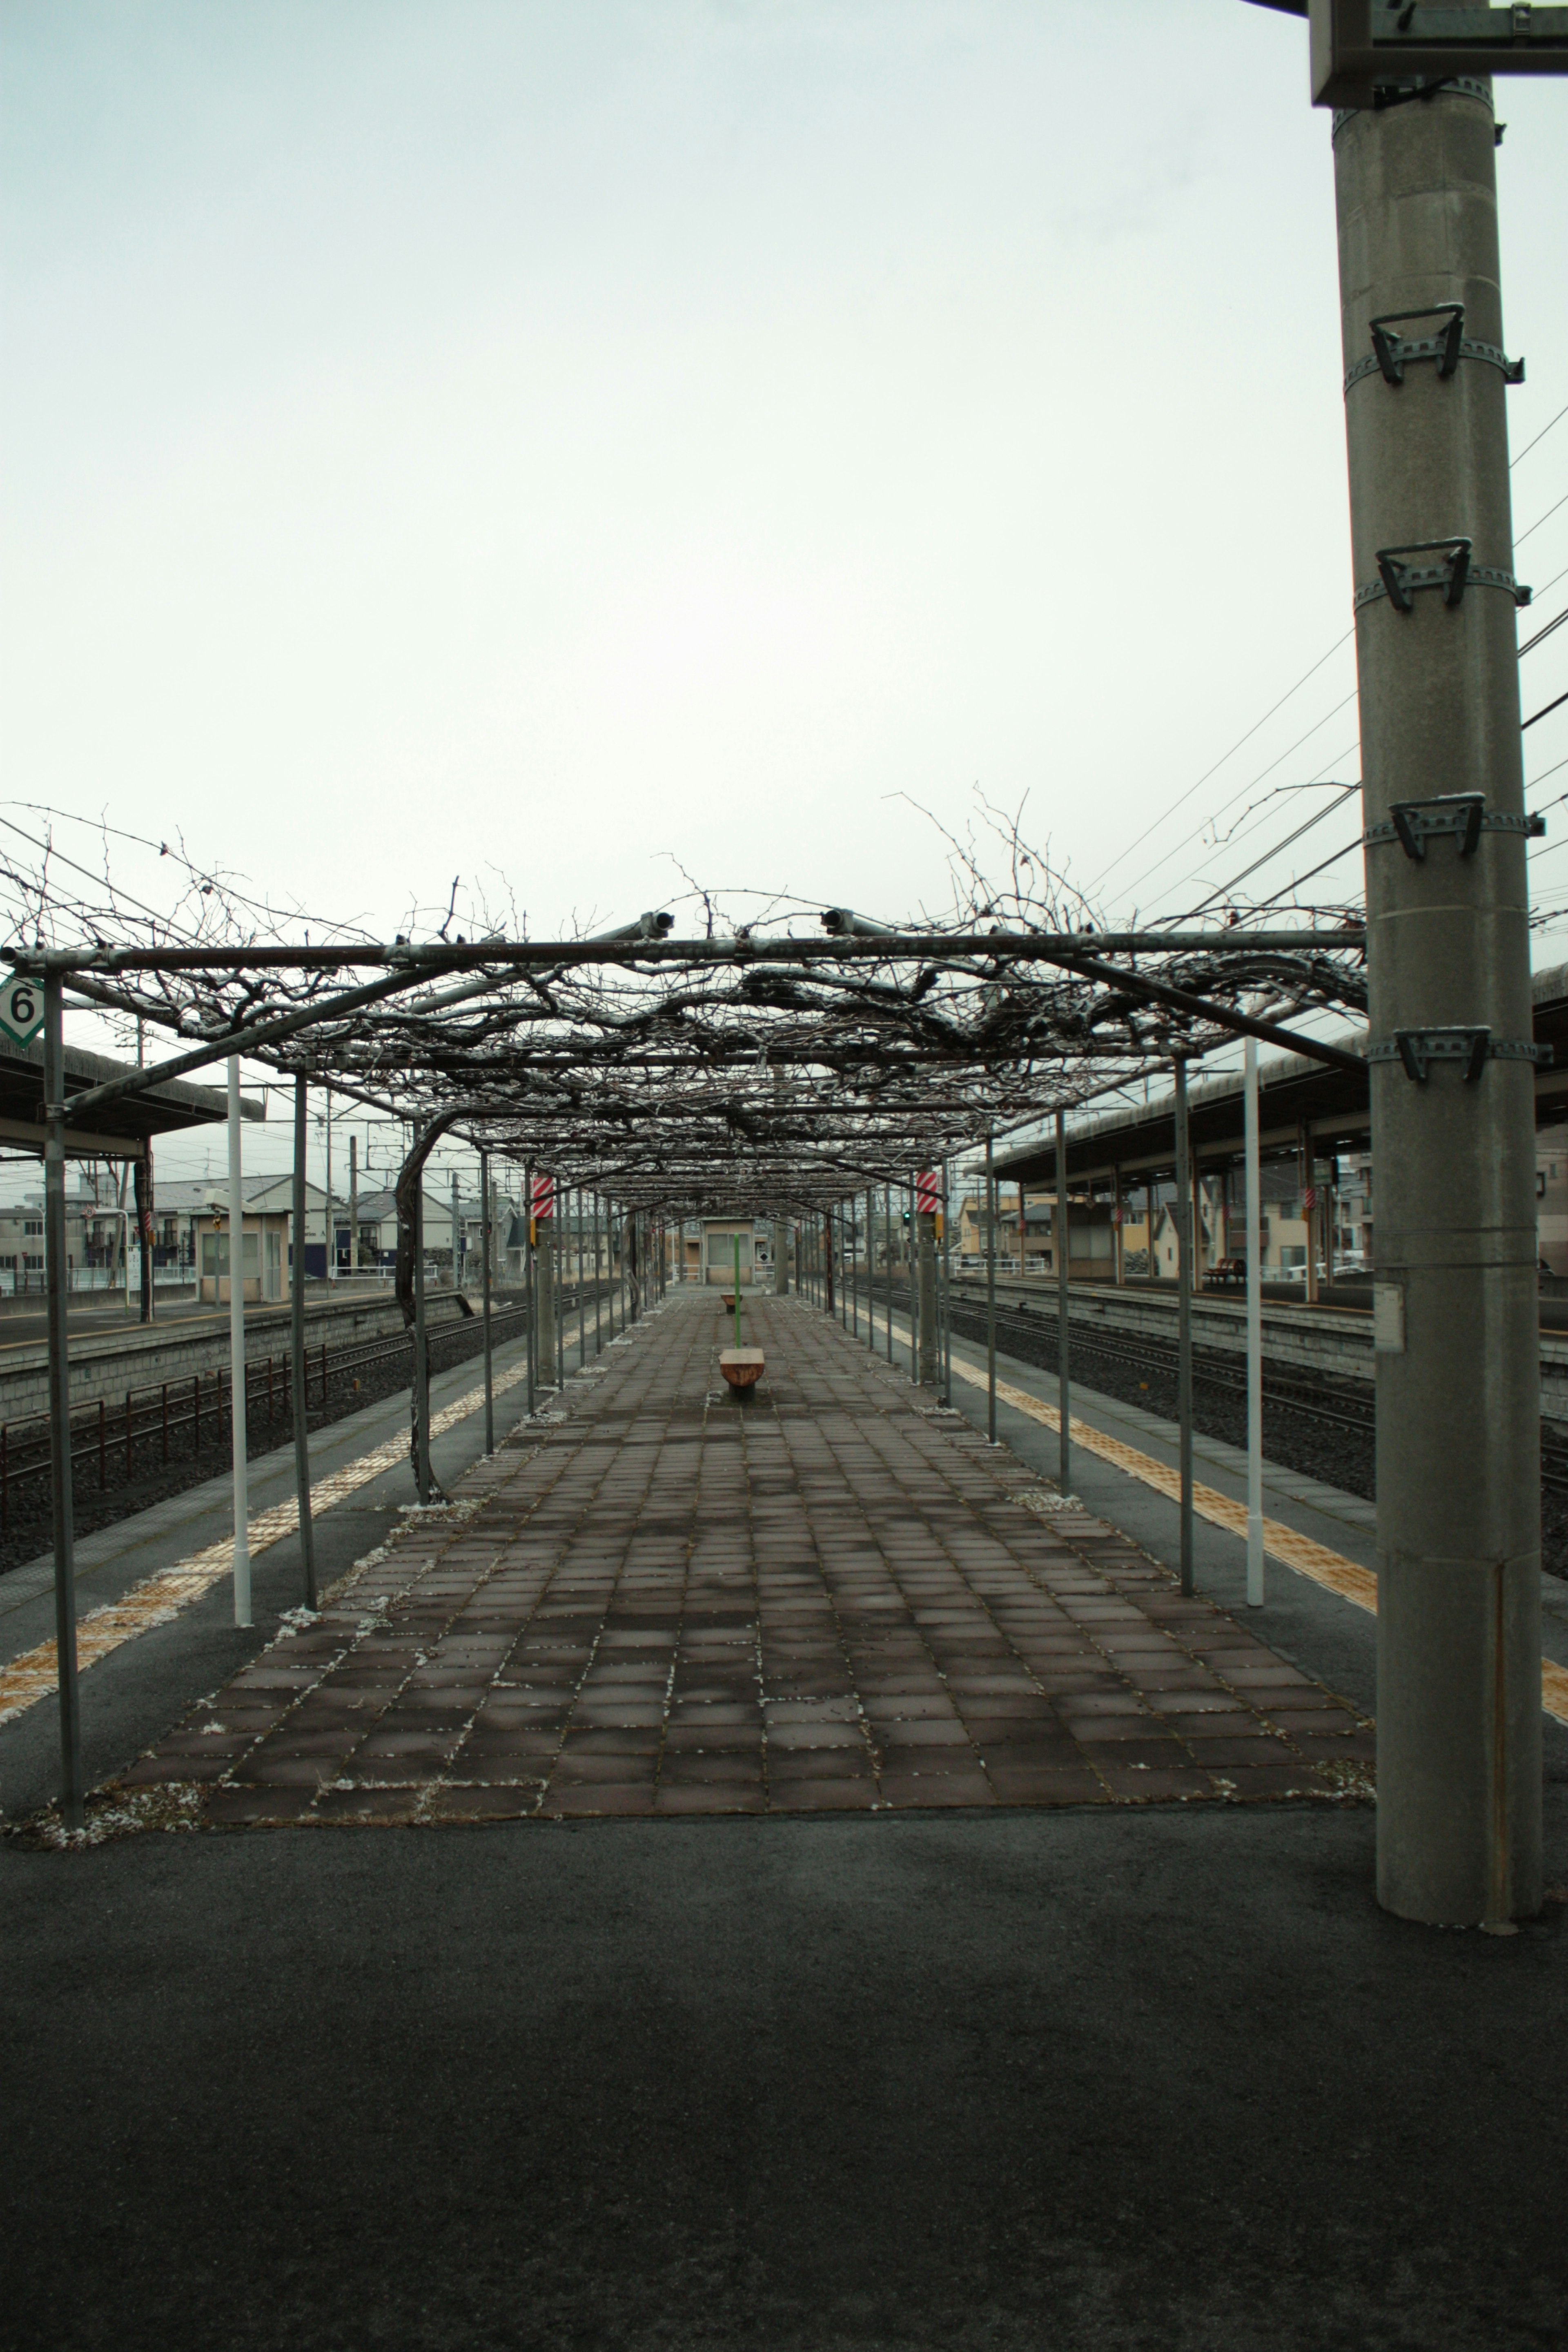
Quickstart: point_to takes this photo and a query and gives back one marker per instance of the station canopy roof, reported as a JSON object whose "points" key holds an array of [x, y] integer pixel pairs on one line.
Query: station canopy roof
{"points": [[1298, 1097], [123, 1128]]}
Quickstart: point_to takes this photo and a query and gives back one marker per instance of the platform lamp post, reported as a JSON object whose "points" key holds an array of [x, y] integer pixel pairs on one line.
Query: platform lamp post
{"points": [[1183, 1321], [1456, 1315], [297, 1341], [1253, 1182], [1064, 1301], [56, 1273], [237, 1396], [991, 1287], [485, 1300]]}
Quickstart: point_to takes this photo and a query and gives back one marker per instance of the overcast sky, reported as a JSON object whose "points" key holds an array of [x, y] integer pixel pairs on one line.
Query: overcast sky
{"points": [[529, 440]]}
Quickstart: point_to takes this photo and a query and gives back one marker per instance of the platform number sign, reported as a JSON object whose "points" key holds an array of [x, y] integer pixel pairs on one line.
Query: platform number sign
{"points": [[21, 1009]]}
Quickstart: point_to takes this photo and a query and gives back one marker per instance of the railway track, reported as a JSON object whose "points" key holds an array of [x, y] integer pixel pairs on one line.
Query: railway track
{"points": [[1333, 1400], [170, 1421]]}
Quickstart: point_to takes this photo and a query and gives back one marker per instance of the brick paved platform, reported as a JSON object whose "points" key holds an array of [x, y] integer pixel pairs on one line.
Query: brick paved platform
{"points": [[828, 1596]]}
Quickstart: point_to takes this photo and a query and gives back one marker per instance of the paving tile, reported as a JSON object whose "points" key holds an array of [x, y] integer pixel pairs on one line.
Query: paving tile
{"points": [[831, 1602]]}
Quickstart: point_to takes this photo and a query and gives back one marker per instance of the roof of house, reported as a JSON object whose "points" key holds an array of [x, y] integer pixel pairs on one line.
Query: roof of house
{"points": [[170, 1195]]}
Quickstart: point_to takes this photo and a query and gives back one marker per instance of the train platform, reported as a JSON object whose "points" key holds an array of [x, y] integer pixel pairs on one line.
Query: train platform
{"points": [[780, 1883], [831, 1596]]}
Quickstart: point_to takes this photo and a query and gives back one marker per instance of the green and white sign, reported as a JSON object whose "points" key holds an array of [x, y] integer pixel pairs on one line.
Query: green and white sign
{"points": [[21, 1009]]}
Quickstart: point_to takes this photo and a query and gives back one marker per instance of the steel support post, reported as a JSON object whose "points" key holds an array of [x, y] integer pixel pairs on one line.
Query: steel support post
{"points": [[421, 1351], [1117, 1230], [1456, 1306], [457, 1236], [582, 1285], [914, 1286], [142, 1190], [991, 1289], [545, 1294], [852, 1279], [827, 1296], [485, 1302], [1064, 1327], [297, 1342], [946, 1285], [56, 1276], [237, 1431], [1254, 1331], [529, 1292], [887, 1251], [598, 1309], [354, 1204], [871, 1269], [1184, 1321], [926, 1369]]}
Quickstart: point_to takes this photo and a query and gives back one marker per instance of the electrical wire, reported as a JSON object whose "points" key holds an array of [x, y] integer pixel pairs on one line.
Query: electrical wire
{"points": [[1196, 873], [1540, 438], [1236, 747], [1176, 848], [1277, 850], [1545, 711], [1521, 536]]}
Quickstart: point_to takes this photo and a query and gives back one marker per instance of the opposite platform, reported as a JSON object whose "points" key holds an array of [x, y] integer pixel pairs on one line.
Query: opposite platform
{"points": [[828, 1595]]}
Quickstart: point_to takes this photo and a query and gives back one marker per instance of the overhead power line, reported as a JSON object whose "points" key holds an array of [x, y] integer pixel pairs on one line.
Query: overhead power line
{"points": [[1236, 747]]}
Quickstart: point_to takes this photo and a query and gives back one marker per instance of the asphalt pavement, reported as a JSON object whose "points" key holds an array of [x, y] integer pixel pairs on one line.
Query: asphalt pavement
{"points": [[1144, 2080]]}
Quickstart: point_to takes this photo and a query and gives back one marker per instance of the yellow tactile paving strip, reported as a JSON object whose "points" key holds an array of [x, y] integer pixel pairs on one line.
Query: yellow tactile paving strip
{"points": [[34, 1674], [1329, 1568]]}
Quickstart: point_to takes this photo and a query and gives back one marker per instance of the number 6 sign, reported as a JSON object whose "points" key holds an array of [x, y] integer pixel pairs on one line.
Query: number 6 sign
{"points": [[21, 1009]]}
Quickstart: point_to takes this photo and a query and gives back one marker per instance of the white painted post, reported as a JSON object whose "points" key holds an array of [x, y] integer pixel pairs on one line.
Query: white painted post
{"points": [[237, 1350], [1254, 1338]]}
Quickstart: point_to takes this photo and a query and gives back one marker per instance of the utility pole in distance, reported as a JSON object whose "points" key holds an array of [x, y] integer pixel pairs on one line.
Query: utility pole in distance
{"points": [[1456, 1313]]}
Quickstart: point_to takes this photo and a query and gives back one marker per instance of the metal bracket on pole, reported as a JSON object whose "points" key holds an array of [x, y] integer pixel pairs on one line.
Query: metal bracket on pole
{"points": [[1392, 354], [1464, 814], [1417, 1049], [1453, 573]]}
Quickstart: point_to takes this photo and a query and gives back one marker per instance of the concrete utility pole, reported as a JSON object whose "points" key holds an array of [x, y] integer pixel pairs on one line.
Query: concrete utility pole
{"points": [[1453, 1122]]}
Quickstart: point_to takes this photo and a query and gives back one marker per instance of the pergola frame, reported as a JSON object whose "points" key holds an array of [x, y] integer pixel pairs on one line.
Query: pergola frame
{"points": [[743, 1074]]}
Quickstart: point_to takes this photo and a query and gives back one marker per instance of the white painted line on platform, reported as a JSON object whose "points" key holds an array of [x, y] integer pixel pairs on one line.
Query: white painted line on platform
{"points": [[33, 1674], [1346, 1578], [1330, 1569]]}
